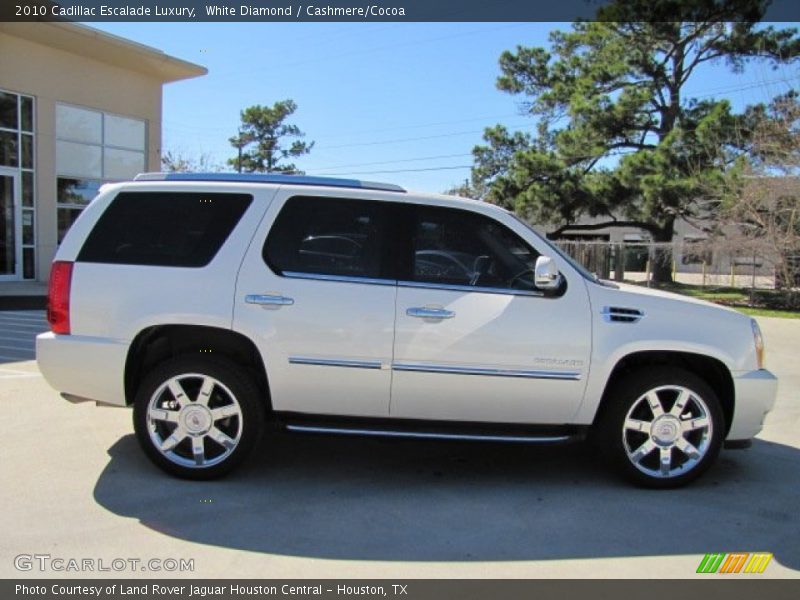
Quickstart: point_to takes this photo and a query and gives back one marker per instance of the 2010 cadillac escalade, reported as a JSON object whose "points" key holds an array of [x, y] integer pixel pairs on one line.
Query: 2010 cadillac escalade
{"points": [[214, 304]]}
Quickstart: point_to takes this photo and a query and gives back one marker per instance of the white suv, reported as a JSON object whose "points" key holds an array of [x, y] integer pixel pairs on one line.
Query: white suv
{"points": [[213, 304]]}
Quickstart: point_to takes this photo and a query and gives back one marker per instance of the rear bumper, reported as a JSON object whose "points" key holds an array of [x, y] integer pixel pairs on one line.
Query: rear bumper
{"points": [[86, 367], [756, 392]]}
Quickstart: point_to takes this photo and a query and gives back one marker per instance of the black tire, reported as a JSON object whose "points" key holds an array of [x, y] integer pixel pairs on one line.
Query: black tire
{"points": [[226, 438], [620, 444]]}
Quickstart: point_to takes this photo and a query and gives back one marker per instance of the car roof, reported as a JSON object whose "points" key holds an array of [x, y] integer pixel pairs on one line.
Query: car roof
{"points": [[279, 178], [314, 181]]}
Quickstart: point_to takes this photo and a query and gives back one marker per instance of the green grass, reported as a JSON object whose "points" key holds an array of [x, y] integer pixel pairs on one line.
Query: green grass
{"points": [[732, 297], [715, 296], [768, 312]]}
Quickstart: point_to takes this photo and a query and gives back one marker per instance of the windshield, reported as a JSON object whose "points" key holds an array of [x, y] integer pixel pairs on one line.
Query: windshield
{"points": [[575, 264]]}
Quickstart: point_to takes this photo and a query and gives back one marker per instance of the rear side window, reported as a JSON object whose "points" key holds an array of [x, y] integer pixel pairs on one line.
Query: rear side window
{"points": [[165, 229], [330, 236]]}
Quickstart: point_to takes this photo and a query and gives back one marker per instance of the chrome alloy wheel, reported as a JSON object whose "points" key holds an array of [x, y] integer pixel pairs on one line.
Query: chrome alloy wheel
{"points": [[194, 420], [667, 431]]}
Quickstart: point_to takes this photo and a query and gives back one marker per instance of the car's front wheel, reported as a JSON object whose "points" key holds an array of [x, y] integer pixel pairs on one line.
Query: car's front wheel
{"points": [[198, 417], [661, 427]]}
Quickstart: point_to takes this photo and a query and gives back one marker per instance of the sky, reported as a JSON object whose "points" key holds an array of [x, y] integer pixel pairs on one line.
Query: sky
{"points": [[397, 102]]}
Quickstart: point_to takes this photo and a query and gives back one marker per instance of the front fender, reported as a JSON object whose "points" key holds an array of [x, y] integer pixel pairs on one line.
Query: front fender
{"points": [[601, 370]]}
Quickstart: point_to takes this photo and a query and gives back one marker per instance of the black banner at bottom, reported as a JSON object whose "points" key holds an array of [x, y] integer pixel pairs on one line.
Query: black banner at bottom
{"points": [[731, 588]]}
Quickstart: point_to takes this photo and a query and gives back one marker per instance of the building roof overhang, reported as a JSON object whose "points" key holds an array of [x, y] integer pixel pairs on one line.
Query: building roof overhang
{"points": [[111, 49]]}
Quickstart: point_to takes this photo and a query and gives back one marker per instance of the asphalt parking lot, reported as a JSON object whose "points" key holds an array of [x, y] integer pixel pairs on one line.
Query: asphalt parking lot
{"points": [[18, 328], [74, 485]]}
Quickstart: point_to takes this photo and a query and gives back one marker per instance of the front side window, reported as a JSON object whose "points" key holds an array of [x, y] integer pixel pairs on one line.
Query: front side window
{"points": [[330, 236], [459, 247]]}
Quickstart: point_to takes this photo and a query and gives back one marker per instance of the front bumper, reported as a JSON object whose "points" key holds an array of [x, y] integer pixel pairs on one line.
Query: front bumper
{"points": [[82, 366], [755, 394]]}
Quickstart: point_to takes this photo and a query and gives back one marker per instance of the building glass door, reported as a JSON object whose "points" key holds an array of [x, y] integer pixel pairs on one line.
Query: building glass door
{"points": [[10, 225]]}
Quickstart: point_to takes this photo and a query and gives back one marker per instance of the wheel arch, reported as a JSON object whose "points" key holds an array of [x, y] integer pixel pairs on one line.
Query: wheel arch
{"points": [[713, 371], [156, 344]]}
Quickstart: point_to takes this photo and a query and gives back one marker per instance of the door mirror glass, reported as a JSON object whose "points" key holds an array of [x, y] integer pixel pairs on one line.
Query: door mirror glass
{"points": [[546, 275]]}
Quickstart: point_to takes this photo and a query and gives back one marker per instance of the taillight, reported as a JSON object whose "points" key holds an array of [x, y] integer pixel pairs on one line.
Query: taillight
{"points": [[58, 296]]}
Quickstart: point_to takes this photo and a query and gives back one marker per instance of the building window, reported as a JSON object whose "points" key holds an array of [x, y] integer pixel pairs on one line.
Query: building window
{"points": [[93, 147], [96, 145], [17, 151], [73, 196]]}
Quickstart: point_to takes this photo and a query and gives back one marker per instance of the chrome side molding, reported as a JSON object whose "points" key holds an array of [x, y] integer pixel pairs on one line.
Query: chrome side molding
{"points": [[490, 372], [412, 284], [339, 278], [325, 362], [469, 288], [432, 368]]}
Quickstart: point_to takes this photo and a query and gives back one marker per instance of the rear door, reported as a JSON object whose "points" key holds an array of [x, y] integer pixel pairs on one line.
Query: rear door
{"points": [[316, 293]]}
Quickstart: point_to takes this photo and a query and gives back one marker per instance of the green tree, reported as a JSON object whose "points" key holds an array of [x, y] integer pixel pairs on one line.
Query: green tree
{"points": [[617, 138], [466, 189], [762, 215], [177, 161], [266, 142]]}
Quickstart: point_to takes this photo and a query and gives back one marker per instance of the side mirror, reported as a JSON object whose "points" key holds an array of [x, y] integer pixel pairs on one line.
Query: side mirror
{"points": [[546, 276]]}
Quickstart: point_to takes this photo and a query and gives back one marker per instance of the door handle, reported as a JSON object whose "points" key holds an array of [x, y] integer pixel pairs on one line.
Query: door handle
{"points": [[268, 300], [424, 312]]}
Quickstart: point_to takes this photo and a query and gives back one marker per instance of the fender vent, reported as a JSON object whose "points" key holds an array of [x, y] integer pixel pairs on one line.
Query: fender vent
{"points": [[617, 314]]}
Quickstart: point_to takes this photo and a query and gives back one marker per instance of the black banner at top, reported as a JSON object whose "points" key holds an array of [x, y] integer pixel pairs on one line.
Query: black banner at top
{"points": [[398, 10]]}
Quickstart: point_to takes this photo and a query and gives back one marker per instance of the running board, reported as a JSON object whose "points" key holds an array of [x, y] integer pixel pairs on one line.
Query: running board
{"points": [[529, 439], [423, 430]]}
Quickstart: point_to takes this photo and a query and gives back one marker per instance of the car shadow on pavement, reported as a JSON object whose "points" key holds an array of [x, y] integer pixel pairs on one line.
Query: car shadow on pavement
{"points": [[367, 499]]}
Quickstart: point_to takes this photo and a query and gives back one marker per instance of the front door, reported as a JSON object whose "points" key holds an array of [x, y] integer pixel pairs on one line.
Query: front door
{"points": [[10, 225], [474, 339]]}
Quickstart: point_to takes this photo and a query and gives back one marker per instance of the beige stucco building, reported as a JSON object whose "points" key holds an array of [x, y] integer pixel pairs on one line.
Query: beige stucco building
{"points": [[78, 108]]}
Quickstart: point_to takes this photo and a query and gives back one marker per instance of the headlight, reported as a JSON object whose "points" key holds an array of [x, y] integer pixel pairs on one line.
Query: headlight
{"points": [[759, 342]]}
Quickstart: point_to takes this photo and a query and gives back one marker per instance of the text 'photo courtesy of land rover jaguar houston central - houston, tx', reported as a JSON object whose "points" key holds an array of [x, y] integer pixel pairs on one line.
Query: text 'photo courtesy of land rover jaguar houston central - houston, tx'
{"points": [[216, 304]]}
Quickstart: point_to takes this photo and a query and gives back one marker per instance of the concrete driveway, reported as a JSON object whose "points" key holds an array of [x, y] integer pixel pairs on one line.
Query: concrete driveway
{"points": [[75, 485]]}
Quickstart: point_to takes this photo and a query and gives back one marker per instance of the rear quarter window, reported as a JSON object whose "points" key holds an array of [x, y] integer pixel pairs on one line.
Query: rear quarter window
{"points": [[167, 229]]}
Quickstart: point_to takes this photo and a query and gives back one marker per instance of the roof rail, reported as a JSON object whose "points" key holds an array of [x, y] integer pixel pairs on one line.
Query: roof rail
{"points": [[271, 178]]}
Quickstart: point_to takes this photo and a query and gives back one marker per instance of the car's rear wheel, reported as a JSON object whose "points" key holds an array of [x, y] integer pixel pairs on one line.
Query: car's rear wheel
{"points": [[662, 427], [198, 417]]}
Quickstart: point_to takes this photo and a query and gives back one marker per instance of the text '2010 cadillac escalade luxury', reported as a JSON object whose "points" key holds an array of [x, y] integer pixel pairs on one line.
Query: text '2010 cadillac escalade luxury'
{"points": [[214, 304]]}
